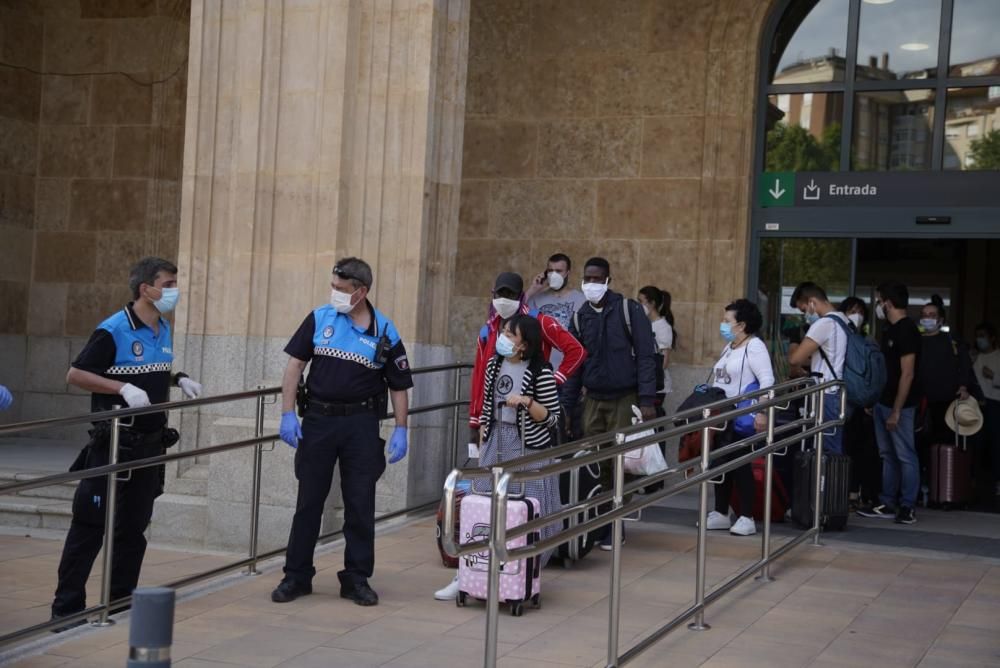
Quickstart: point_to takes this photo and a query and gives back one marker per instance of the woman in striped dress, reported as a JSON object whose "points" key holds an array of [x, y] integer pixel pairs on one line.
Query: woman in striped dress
{"points": [[520, 406]]}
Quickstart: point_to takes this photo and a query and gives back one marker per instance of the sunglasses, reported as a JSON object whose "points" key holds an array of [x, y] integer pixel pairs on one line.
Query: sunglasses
{"points": [[343, 275]]}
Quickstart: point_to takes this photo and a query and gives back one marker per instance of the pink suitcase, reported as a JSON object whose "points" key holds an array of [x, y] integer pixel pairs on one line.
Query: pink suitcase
{"points": [[519, 580]]}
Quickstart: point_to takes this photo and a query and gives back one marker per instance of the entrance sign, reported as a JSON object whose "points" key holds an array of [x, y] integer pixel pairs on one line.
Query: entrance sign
{"points": [[777, 189], [880, 189]]}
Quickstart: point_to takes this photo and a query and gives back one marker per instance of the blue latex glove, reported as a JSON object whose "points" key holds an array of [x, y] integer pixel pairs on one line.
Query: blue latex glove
{"points": [[290, 430], [397, 445], [6, 398]]}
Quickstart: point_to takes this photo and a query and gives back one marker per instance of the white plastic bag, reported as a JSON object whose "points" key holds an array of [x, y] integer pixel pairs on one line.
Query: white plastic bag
{"points": [[647, 460]]}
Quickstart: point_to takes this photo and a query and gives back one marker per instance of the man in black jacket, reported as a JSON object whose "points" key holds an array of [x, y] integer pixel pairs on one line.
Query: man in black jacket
{"points": [[620, 369]]}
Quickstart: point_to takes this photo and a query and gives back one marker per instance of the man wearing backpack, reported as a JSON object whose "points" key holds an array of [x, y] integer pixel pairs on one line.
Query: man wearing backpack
{"points": [[620, 368], [823, 349], [895, 411]]}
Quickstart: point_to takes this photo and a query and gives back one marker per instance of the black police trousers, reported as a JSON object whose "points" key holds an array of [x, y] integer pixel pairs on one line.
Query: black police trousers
{"points": [[352, 440], [134, 509]]}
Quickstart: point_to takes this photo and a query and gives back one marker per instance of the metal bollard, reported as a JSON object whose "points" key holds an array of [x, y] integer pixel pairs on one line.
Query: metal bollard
{"points": [[456, 416], [151, 629], [699, 586], [109, 525]]}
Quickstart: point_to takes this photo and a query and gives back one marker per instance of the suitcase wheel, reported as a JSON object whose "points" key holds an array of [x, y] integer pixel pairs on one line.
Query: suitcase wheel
{"points": [[536, 601], [517, 609], [460, 599]]}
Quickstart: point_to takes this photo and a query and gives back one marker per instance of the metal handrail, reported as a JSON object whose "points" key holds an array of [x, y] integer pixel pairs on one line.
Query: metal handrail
{"points": [[106, 606], [510, 472]]}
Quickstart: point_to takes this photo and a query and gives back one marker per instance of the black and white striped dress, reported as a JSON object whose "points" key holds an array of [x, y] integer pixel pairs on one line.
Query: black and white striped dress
{"points": [[502, 441]]}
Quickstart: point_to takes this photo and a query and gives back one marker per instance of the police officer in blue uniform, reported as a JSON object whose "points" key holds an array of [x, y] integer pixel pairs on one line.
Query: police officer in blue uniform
{"points": [[128, 360], [356, 355]]}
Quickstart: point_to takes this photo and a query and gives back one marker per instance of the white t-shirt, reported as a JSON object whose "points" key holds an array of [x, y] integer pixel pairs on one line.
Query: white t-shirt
{"points": [[509, 381], [663, 333], [738, 367], [991, 388], [832, 339]]}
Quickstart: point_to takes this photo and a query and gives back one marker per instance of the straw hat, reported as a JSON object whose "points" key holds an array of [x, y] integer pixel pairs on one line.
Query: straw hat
{"points": [[967, 414]]}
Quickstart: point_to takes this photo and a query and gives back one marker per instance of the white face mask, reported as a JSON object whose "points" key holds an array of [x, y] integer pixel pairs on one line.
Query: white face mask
{"points": [[857, 319], [879, 311], [594, 292], [556, 280], [506, 307], [341, 301]]}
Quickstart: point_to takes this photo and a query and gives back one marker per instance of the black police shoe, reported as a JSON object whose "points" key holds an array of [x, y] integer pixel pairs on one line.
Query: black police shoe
{"points": [[360, 593], [289, 590]]}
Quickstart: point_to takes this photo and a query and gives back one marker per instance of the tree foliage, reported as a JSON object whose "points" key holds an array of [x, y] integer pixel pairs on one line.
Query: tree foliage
{"points": [[985, 151], [791, 148]]}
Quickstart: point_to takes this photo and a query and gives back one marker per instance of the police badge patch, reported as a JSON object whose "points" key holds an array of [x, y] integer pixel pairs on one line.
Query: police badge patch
{"points": [[327, 332], [137, 348], [402, 364]]}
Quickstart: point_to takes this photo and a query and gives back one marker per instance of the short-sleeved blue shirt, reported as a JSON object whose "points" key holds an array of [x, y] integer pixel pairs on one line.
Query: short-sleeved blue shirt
{"points": [[342, 356], [125, 349]]}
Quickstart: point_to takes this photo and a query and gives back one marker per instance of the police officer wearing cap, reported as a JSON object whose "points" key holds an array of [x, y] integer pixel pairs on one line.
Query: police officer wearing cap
{"points": [[128, 360], [356, 354]]}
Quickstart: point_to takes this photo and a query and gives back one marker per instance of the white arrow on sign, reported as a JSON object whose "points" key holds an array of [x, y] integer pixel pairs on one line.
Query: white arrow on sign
{"points": [[777, 191]]}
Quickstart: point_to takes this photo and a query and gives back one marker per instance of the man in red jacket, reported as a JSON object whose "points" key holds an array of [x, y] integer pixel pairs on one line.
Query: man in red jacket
{"points": [[508, 300]]}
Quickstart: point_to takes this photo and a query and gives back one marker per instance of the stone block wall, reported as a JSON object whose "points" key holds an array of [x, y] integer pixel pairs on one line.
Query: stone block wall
{"points": [[91, 139], [619, 128]]}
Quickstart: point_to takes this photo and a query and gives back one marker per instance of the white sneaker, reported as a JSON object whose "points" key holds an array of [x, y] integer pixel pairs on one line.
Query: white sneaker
{"points": [[745, 526], [449, 593], [717, 521]]}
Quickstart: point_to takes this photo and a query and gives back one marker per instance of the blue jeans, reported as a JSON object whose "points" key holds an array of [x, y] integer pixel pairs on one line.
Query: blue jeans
{"points": [[898, 449], [833, 438]]}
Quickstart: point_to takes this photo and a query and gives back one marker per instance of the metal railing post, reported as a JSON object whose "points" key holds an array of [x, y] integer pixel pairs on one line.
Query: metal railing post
{"points": [[109, 525], [614, 600], [765, 546], [258, 451], [818, 491], [456, 396], [699, 587], [493, 584]]}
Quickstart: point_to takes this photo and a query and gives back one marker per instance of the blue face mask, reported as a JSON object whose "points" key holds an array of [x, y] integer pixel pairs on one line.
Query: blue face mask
{"points": [[168, 300], [505, 346], [726, 330], [812, 318]]}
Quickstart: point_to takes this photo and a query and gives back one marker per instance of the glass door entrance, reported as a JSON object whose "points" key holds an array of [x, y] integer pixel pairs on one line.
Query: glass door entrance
{"points": [[786, 262]]}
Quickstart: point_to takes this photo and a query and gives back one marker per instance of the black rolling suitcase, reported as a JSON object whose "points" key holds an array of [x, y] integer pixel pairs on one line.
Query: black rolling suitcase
{"points": [[586, 482], [835, 486]]}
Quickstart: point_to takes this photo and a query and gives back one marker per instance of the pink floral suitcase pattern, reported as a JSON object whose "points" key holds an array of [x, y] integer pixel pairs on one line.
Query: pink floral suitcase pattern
{"points": [[519, 580]]}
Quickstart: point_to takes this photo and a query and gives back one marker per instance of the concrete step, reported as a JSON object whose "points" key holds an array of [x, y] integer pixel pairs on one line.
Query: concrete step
{"points": [[179, 519], [34, 512], [192, 482], [62, 491]]}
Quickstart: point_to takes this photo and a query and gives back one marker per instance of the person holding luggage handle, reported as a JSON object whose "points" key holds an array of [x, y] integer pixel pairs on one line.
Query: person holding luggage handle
{"points": [[823, 350], [744, 360], [518, 383]]}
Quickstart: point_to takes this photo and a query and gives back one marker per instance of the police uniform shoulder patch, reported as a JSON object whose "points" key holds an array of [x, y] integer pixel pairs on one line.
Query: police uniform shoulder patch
{"points": [[327, 331], [137, 348], [401, 363]]}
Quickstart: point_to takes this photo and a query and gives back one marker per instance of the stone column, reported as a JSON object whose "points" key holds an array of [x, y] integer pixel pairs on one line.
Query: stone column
{"points": [[316, 129]]}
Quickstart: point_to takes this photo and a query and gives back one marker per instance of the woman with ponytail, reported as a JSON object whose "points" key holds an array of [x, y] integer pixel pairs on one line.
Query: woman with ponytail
{"points": [[656, 303]]}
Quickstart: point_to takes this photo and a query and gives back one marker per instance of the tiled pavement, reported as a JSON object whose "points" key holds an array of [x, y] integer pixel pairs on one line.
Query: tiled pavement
{"points": [[830, 606]]}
